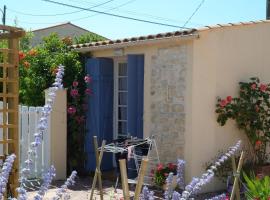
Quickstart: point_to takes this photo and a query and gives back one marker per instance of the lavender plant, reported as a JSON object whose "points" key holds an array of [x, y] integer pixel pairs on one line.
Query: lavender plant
{"points": [[196, 183], [146, 194], [181, 173], [218, 197], [62, 191], [47, 179], [7, 166], [42, 125], [169, 191]]}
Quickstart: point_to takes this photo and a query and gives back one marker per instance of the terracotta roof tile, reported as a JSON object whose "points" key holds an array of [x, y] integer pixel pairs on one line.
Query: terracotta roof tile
{"points": [[164, 35]]}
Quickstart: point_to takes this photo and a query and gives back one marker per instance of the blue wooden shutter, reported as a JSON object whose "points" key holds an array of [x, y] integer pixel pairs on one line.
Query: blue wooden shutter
{"points": [[135, 95], [100, 110]]}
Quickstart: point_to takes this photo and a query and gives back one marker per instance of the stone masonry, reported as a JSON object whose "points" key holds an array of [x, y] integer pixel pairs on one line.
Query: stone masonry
{"points": [[168, 83]]}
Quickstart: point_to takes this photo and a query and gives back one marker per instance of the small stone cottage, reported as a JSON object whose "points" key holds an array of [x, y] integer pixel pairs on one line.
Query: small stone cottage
{"points": [[167, 85]]}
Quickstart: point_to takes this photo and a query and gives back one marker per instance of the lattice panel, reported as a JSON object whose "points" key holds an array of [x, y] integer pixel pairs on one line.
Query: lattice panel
{"points": [[9, 96]]}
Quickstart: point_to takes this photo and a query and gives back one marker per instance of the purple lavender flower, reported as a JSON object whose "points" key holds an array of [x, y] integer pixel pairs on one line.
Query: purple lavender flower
{"points": [[169, 190], [42, 126], [176, 196], [218, 197], [47, 179], [181, 173], [197, 183], [4, 175], [62, 191], [146, 194]]}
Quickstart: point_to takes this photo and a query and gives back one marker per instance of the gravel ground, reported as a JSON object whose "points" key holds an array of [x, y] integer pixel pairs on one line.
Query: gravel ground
{"points": [[81, 191]]}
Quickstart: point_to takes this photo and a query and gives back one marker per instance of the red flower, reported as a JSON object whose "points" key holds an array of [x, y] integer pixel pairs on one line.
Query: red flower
{"points": [[223, 103], [159, 167], [79, 119], [253, 86], [32, 52], [263, 87], [87, 78], [71, 110], [88, 91], [258, 144], [26, 64], [171, 166], [75, 83], [21, 55], [229, 99], [74, 93], [166, 174]]}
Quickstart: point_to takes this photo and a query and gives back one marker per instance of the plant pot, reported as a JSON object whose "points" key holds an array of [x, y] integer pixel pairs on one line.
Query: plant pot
{"points": [[174, 184], [263, 170]]}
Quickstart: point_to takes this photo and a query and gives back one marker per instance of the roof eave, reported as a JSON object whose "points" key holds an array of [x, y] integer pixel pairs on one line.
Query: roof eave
{"points": [[136, 43]]}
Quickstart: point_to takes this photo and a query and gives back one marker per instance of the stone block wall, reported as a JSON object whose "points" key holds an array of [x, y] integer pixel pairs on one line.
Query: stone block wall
{"points": [[168, 83]]}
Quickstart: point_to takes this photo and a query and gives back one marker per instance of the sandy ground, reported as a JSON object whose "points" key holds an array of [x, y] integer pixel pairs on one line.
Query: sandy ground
{"points": [[81, 190]]}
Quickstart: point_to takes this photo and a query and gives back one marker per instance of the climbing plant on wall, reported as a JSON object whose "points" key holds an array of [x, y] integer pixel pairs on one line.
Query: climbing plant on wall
{"points": [[38, 66]]}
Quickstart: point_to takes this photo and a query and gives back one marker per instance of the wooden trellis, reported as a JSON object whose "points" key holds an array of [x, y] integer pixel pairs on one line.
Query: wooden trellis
{"points": [[9, 95]]}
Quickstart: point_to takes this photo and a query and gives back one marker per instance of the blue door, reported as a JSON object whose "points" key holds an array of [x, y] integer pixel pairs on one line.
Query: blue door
{"points": [[100, 110], [135, 95]]}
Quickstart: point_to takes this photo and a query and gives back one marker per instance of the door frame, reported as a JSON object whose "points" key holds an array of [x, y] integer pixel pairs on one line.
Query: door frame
{"points": [[116, 61]]}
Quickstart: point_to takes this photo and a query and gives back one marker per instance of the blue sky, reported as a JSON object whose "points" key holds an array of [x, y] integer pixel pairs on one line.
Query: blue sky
{"points": [[174, 12]]}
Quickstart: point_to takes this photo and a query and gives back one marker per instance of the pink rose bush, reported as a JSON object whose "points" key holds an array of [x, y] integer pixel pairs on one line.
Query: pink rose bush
{"points": [[250, 110]]}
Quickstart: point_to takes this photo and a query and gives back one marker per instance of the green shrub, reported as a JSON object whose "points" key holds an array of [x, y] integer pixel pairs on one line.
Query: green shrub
{"points": [[257, 188]]}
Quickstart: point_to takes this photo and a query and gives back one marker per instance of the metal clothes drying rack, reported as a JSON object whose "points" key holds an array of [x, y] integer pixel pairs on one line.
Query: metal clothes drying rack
{"points": [[128, 146]]}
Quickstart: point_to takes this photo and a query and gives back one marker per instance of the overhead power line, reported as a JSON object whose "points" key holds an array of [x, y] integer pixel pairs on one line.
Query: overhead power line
{"points": [[115, 15], [195, 11], [77, 19], [59, 14]]}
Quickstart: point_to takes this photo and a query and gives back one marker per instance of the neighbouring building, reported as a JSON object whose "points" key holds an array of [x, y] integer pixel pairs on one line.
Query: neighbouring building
{"points": [[167, 85], [63, 30]]}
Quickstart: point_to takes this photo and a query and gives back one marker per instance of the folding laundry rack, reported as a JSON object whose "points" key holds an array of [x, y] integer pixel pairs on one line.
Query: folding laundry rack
{"points": [[135, 149]]}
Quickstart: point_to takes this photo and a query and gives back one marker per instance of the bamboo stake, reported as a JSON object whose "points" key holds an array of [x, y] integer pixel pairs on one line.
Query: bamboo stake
{"points": [[124, 180], [140, 178], [237, 191], [236, 178], [97, 172]]}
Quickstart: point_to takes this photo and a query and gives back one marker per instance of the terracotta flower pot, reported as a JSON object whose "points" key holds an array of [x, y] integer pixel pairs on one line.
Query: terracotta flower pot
{"points": [[174, 184]]}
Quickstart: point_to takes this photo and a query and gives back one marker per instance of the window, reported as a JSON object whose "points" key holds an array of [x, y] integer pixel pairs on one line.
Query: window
{"points": [[121, 94]]}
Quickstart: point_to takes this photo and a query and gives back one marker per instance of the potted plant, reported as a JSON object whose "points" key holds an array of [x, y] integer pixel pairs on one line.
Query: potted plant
{"points": [[251, 112], [161, 172]]}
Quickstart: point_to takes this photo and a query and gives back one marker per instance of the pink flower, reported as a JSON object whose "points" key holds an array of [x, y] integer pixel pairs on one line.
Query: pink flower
{"points": [[75, 83], [79, 119], [71, 110], [74, 93], [87, 78], [223, 103], [229, 99], [88, 91], [263, 87], [159, 167], [253, 86]]}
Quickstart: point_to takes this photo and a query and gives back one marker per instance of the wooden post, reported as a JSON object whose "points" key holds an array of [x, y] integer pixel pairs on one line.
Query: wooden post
{"points": [[98, 172], [140, 178], [237, 191], [124, 180], [236, 176]]}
